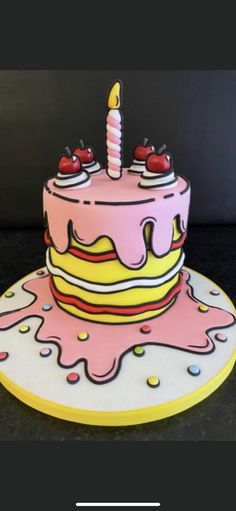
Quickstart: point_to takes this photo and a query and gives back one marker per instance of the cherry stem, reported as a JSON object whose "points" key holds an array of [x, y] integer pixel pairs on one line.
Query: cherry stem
{"points": [[161, 149], [81, 143], [67, 151], [145, 141]]}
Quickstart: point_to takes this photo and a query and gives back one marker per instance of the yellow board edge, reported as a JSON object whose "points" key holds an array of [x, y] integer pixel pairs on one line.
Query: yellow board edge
{"points": [[123, 417]]}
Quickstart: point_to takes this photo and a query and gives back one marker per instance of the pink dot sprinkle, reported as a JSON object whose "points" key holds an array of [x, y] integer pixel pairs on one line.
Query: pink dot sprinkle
{"points": [[145, 329], [221, 337], [45, 352], [73, 378], [3, 356], [214, 292]]}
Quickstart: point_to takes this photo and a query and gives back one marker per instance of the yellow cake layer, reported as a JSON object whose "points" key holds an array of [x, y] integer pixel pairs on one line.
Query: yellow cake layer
{"points": [[110, 318], [109, 272], [104, 244], [132, 297]]}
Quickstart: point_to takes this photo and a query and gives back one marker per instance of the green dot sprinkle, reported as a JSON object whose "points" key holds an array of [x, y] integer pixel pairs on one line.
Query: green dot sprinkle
{"points": [[138, 351]]}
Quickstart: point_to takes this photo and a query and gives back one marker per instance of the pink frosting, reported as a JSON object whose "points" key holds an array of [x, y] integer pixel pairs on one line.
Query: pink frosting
{"points": [[122, 221], [113, 122], [182, 327]]}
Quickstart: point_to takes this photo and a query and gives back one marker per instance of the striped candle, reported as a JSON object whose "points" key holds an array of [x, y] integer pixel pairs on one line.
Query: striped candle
{"points": [[114, 132]]}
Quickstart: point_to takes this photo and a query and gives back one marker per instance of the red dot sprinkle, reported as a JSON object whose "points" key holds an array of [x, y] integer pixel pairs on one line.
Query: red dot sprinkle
{"points": [[3, 356], [73, 378], [145, 329]]}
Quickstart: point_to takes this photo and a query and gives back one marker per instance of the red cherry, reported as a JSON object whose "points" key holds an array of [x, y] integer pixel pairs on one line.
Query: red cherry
{"points": [[142, 151], [158, 162], [86, 154], [69, 163]]}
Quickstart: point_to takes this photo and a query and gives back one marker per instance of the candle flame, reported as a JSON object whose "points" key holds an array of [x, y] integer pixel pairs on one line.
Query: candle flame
{"points": [[114, 98]]}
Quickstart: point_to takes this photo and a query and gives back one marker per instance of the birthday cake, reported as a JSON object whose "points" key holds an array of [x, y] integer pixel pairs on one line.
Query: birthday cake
{"points": [[115, 250], [114, 280]]}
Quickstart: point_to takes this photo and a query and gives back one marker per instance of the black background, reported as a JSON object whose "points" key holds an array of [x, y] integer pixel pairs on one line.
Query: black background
{"points": [[51, 476], [193, 112], [181, 476]]}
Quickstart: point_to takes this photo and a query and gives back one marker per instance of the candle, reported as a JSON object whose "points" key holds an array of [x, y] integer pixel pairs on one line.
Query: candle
{"points": [[114, 132]]}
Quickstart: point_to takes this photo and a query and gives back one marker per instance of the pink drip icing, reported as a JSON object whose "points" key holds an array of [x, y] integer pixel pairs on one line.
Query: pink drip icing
{"points": [[113, 138], [113, 122], [123, 224], [182, 327]]}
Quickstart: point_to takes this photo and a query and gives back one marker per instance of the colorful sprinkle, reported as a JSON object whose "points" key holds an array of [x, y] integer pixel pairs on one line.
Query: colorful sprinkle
{"points": [[45, 352], [194, 370], [24, 329], [83, 336], [40, 272], [47, 307], [203, 308], [138, 351], [3, 355], [221, 337], [215, 292], [145, 329], [73, 378], [9, 294], [153, 381]]}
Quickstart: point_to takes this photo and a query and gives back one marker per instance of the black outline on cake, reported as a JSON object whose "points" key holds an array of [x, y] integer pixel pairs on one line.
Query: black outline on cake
{"points": [[120, 281], [146, 343], [71, 231], [117, 306]]}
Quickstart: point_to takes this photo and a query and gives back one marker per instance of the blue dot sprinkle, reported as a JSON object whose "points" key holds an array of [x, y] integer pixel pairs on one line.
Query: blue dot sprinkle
{"points": [[47, 307], [194, 370]]}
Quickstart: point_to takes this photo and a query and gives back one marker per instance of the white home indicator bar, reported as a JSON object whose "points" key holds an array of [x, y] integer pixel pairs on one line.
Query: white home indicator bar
{"points": [[118, 504]]}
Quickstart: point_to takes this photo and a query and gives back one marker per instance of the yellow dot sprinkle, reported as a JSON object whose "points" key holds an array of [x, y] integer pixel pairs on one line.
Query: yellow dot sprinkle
{"points": [[203, 308], [153, 381], [9, 294], [83, 336], [23, 329]]}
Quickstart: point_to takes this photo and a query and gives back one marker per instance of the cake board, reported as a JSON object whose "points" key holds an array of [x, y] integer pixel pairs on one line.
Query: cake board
{"points": [[154, 374]]}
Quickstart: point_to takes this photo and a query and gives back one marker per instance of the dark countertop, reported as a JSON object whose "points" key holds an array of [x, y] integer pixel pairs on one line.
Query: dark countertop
{"points": [[209, 250]]}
